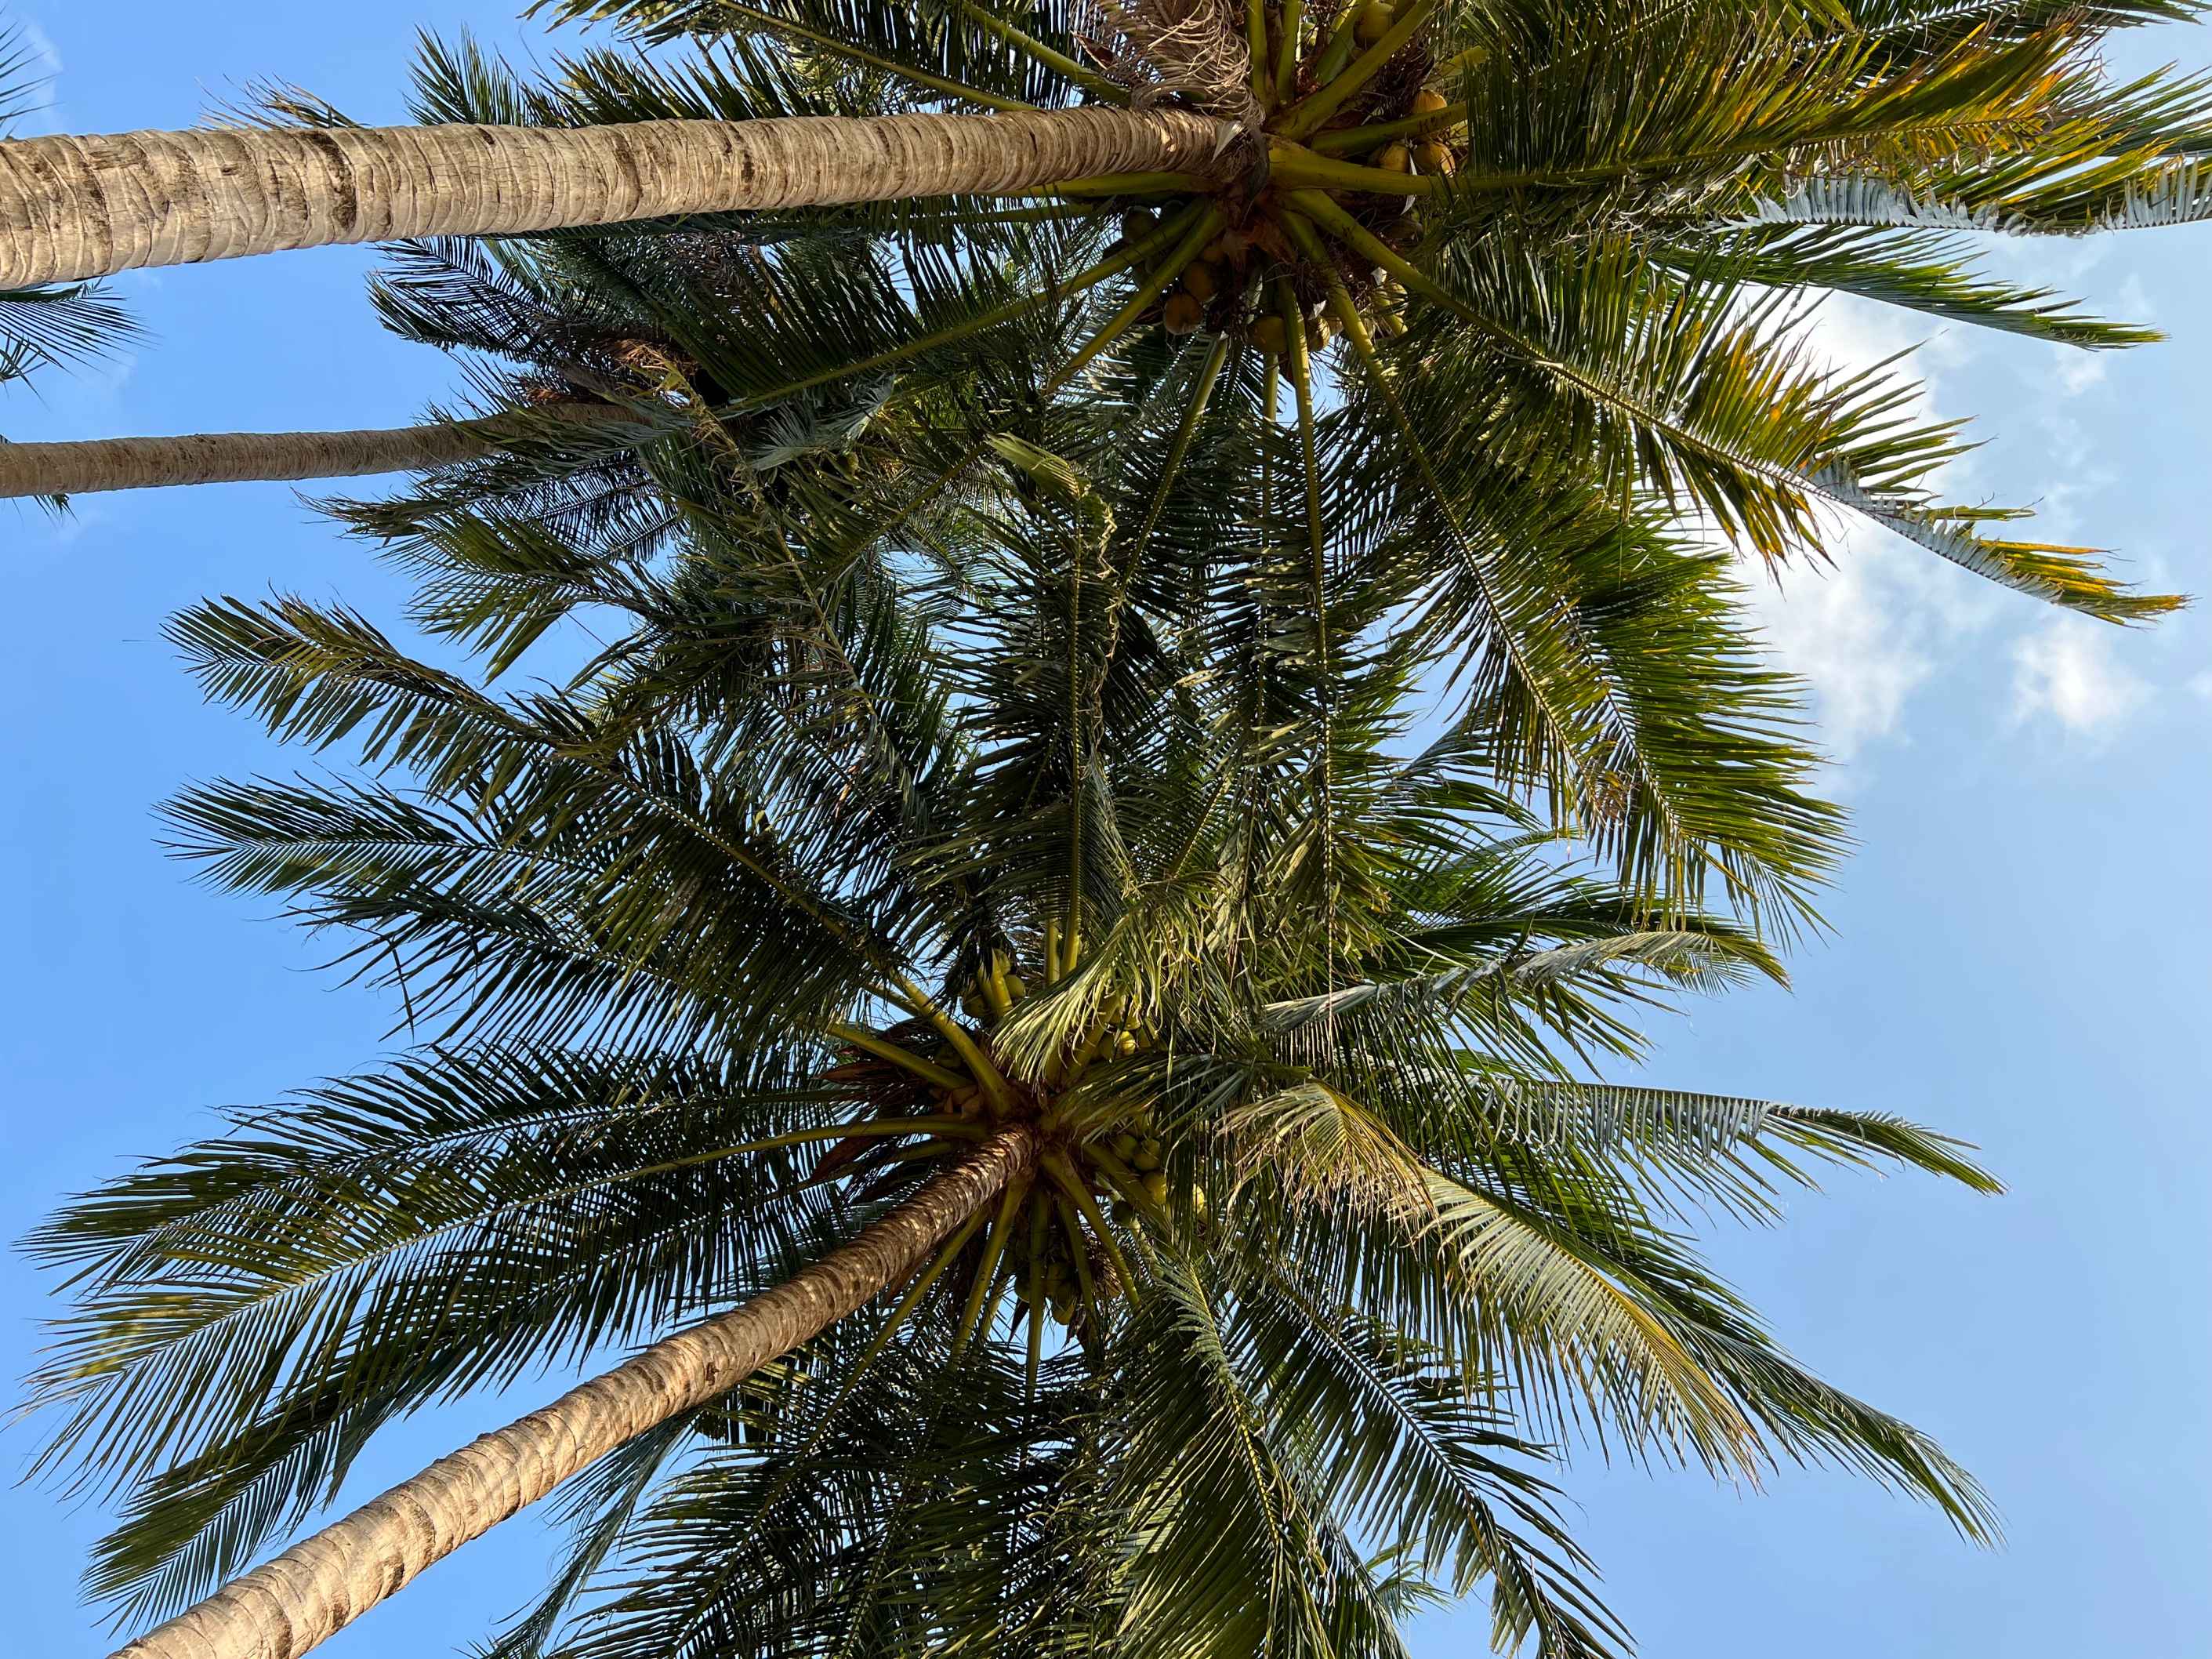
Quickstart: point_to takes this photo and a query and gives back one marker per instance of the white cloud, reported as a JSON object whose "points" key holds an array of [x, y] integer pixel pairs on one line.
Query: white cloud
{"points": [[2066, 670], [2059, 262], [2200, 685], [1835, 629], [2078, 371], [1866, 632], [40, 46], [2132, 303], [1870, 632]]}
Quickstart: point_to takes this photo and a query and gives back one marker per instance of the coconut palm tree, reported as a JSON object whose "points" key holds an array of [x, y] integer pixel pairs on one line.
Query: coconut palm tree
{"points": [[1068, 681], [1588, 333], [1104, 1113], [1560, 208], [1601, 338]]}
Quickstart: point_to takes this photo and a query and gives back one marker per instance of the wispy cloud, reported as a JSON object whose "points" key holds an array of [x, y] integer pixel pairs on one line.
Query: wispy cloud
{"points": [[44, 67], [43, 51], [2078, 371], [1866, 632], [1870, 633], [2067, 673]]}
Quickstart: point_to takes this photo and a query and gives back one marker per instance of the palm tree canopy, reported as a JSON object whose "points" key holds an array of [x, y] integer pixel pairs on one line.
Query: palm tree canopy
{"points": [[1599, 195], [1334, 1241]]}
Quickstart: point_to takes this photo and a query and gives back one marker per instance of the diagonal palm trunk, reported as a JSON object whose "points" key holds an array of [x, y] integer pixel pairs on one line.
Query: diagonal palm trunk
{"points": [[105, 463], [321, 1584], [73, 208]]}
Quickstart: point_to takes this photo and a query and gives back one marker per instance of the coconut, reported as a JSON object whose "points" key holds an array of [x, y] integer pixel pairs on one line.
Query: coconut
{"points": [[1375, 19], [1201, 281], [1394, 158], [1136, 223], [1434, 157], [1402, 233], [1268, 333], [1182, 314], [1429, 102]]}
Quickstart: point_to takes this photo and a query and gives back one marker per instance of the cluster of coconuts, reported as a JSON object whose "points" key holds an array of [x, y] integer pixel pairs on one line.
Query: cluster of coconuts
{"points": [[1216, 289], [1429, 157], [1122, 1162], [1060, 1248], [992, 992]]}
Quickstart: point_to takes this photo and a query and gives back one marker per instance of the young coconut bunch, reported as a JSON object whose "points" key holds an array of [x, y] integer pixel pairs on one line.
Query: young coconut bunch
{"points": [[1094, 1120]]}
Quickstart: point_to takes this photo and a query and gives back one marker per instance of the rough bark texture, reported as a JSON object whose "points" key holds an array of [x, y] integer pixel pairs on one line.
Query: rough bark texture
{"points": [[102, 464], [320, 1584], [76, 208]]}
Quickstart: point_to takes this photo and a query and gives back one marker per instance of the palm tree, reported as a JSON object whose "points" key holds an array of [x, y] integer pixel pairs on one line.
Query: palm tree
{"points": [[1562, 209], [1040, 909], [1073, 665], [1586, 341]]}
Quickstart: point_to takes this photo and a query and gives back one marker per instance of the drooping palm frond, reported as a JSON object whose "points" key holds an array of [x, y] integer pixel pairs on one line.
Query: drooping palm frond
{"points": [[457, 1221]]}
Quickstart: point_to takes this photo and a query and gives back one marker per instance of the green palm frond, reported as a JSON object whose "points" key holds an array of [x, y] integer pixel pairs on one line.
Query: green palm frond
{"points": [[457, 1221]]}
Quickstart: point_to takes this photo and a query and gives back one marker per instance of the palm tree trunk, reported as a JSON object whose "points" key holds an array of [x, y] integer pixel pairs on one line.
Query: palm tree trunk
{"points": [[322, 1583], [103, 464], [73, 208]]}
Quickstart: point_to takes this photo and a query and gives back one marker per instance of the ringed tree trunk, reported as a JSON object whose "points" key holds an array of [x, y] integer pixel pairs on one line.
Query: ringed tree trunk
{"points": [[321, 1584], [75, 208], [106, 464]]}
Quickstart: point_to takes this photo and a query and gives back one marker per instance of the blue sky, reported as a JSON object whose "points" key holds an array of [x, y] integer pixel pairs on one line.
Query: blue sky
{"points": [[2016, 956]]}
